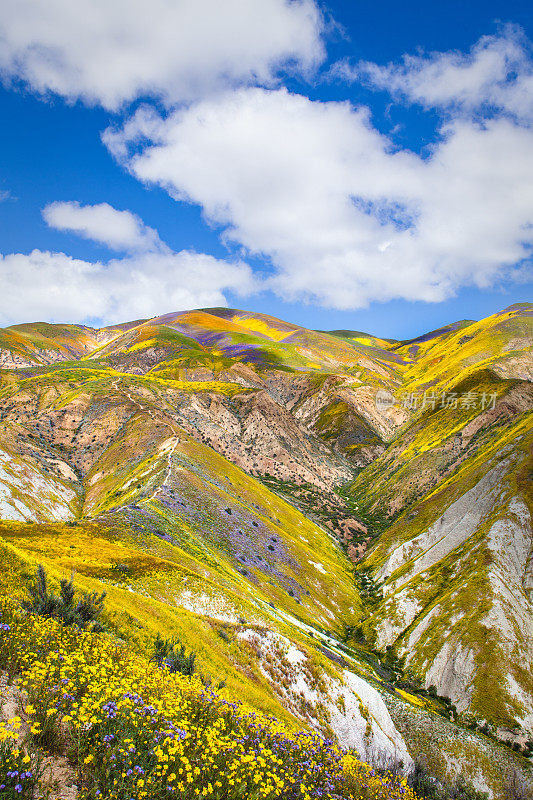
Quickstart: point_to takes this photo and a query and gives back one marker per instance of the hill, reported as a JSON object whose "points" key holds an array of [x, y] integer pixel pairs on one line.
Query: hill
{"points": [[338, 524]]}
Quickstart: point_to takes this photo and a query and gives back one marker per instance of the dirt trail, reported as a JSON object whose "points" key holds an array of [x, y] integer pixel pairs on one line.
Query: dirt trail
{"points": [[160, 420]]}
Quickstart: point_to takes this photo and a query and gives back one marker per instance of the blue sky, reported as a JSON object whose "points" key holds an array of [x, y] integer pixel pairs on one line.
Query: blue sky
{"points": [[293, 165]]}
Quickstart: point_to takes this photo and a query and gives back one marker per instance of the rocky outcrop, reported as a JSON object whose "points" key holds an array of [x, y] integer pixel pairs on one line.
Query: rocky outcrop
{"points": [[431, 499], [28, 493], [262, 437], [457, 601], [348, 705]]}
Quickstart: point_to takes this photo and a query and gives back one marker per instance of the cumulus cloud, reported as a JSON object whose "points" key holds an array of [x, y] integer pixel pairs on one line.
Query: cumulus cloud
{"points": [[340, 213], [344, 217], [110, 52], [55, 286], [118, 230], [495, 76]]}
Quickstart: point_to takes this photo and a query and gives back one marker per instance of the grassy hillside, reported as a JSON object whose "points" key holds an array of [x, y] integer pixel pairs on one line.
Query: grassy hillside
{"points": [[453, 494], [338, 524]]}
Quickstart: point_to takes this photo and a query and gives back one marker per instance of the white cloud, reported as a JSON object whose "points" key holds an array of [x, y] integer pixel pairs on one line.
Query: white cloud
{"points": [[118, 230], [56, 287], [343, 216], [110, 52], [497, 75]]}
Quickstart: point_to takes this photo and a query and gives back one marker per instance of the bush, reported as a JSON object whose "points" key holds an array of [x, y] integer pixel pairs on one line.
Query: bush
{"points": [[517, 787], [171, 652], [424, 784], [464, 791], [84, 613], [428, 788]]}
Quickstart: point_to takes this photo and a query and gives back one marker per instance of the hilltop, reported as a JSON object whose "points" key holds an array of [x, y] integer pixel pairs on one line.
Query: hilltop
{"points": [[339, 524]]}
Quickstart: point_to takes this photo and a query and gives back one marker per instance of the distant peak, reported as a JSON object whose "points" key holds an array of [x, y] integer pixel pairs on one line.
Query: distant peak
{"points": [[444, 331], [526, 309]]}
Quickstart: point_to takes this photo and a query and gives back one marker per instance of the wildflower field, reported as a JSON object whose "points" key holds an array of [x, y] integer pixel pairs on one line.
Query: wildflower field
{"points": [[134, 730]]}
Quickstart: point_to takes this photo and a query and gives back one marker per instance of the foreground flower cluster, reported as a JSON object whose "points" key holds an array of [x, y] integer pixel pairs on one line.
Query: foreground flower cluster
{"points": [[17, 779], [136, 731]]}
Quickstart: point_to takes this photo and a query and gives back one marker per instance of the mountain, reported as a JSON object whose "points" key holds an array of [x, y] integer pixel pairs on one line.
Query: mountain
{"points": [[339, 524]]}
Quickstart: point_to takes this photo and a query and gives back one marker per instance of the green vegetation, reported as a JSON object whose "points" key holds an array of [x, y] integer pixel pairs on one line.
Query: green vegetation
{"points": [[171, 653], [18, 773], [84, 613], [130, 730], [428, 788], [119, 464]]}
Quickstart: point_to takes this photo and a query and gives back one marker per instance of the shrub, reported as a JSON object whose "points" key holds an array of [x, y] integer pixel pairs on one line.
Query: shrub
{"points": [[517, 787], [428, 788], [171, 652], [84, 613], [464, 791]]}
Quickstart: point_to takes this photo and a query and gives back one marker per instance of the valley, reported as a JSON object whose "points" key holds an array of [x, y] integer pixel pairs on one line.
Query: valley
{"points": [[338, 525]]}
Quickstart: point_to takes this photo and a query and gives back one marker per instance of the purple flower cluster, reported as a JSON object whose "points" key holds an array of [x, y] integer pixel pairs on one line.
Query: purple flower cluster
{"points": [[110, 709], [19, 777]]}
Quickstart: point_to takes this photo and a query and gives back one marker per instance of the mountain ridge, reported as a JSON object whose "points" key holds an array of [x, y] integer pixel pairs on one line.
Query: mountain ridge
{"points": [[256, 486]]}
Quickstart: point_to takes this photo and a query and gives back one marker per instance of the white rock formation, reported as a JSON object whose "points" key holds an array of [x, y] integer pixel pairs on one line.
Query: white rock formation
{"points": [[29, 495], [354, 709]]}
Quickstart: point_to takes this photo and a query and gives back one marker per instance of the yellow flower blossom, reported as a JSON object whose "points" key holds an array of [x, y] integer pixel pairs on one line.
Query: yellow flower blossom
{"points": [[136, 729]]}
